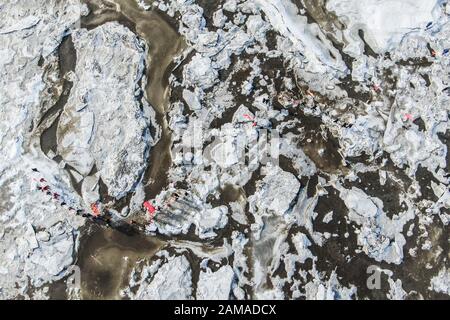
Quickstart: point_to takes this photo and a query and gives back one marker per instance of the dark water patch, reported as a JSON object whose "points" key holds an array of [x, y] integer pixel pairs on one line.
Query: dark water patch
{"points": [[426, 77], [335, 252], [67, 62], [420, 123], [338, 253], [226, 117], [350, 86], [311, 186], [271, 37], [424, 178], [416, 271], [416, 62], [107, 257], [319, 145], [445, 139], [98, 16], [57, 290], [67, 56], [209, 7], [368, 51], [250, 187], [364, 158], [316, 12], [286, 165], [230, 193]]}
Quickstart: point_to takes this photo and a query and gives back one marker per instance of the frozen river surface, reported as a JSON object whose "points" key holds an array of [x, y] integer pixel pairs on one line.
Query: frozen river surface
{"points": [[224, 149]]}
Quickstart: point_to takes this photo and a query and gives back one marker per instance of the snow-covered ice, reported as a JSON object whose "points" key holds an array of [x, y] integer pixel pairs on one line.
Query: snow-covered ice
{"points": [[104, 123]]}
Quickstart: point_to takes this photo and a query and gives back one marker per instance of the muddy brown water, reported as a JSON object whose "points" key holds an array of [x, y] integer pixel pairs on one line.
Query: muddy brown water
{"points": [[107, 257]]}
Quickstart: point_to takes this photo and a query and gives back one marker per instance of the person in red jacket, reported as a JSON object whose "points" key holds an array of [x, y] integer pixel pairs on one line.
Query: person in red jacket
{"points": [[150, 209], [95, 210]]}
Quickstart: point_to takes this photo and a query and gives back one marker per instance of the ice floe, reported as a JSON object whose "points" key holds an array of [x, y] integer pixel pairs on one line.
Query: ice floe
{"points": [[104, 108]]}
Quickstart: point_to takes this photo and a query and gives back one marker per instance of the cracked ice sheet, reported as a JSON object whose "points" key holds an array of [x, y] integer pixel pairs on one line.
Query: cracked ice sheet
{"points": [[209, 185], [172, 281], [307, 38], [275, 195], [319, 289], [215, 285], [384, 22], [103, 122], [37, 236], [441, 282], [380, 237], [189, 210]]}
